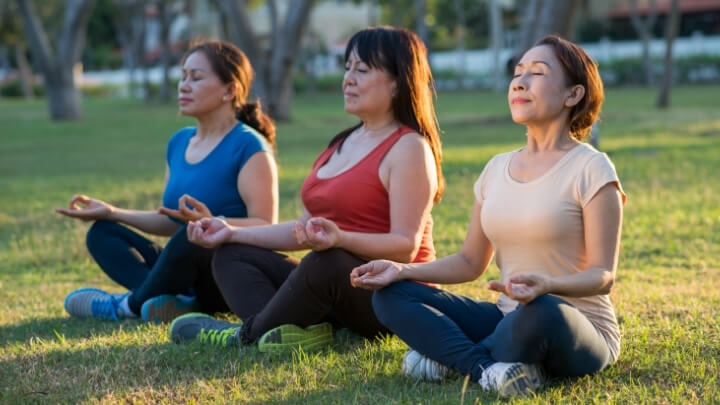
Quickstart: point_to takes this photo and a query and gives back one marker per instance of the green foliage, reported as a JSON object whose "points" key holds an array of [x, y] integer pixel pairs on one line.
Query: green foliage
{"points": [[693, 69], [667, 292]]}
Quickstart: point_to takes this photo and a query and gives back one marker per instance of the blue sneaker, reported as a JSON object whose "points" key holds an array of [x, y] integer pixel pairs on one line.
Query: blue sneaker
{"points": [[165, 308], [95, 303]]}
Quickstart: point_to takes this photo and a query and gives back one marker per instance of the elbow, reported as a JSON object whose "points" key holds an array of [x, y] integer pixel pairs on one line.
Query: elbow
{"points": [[608, 280], [407, 252]]}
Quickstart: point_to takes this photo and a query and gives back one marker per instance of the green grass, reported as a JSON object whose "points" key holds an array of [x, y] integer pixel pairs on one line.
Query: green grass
{"points": [[667, 293]]}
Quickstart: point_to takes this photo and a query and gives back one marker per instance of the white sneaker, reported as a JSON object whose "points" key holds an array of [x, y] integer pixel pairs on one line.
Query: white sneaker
{"points": [[510, 379], [419, 367]]}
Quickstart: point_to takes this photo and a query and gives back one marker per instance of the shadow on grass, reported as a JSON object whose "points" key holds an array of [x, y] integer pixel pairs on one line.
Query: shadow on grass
{"points": [[58, 329]]}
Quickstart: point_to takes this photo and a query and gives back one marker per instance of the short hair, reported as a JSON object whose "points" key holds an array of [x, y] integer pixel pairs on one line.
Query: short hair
{"points": [[580, 69]]}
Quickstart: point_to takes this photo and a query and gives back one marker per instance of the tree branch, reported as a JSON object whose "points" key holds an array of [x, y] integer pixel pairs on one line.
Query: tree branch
{"points": [[39, 45], [72, 37]]}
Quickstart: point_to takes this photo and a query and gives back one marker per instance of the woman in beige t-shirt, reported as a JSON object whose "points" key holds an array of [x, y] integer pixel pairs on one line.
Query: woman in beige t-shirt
{"points": [[551, 212]]}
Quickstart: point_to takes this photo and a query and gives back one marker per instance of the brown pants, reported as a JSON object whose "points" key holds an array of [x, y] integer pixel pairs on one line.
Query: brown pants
{"points": [[268, 289]]}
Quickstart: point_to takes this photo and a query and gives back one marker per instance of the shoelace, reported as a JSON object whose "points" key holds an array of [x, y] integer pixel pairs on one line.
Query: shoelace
{"points": [[105, 308], [217, 337]]}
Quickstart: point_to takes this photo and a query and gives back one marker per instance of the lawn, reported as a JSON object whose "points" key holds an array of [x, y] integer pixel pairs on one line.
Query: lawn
{"points": [[667, 293]]}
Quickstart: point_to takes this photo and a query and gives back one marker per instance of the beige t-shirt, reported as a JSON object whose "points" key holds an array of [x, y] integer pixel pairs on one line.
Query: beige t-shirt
{"points": [[537, 227]]}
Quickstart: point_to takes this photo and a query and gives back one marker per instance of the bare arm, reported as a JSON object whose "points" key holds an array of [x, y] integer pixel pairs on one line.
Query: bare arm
{"points": [[466, 265], [92, 209], [212, 232], [257, 185]]}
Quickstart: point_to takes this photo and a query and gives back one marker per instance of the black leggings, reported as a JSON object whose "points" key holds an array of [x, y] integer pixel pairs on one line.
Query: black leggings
{"points": [[268, 289], [469, 335], [149, 270]]}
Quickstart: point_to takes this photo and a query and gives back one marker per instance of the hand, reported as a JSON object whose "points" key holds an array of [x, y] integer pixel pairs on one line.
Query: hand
{"points": [[375, 275], [318, 234], [185, 214], [93, 209], [209, 232], [524, 287]]}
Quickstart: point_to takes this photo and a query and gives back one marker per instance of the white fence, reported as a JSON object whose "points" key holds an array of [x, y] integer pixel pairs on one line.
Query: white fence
{"points": [[476, 62], [481, 61]]}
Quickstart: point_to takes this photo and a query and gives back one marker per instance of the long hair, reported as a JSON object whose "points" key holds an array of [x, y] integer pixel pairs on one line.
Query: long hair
{"points": [[403, 56], [231, 65], [580, 69]]}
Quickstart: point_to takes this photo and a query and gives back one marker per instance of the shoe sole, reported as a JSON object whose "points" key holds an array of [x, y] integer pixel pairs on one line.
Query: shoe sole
{"points": [[284, 338], [522, 382], [165, 309]]}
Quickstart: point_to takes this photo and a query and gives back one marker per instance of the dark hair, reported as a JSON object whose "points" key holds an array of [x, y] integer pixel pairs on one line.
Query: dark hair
{"points": [[231, 65], [580, 69], [403, 56]]}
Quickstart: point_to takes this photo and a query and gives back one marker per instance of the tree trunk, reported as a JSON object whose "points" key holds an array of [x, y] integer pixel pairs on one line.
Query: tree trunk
{"points": [[460, 50], [273, 65], [63, 96], [672, 26], [57, 68], [496, 36], [420, 26], [165, 20], [26, 74], [544, 17], [644, 31]]}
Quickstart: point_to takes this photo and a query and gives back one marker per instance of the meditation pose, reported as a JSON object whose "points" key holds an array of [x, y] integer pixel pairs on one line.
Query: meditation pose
{"points": [[224, 166], [368, 196], [551, 212]]}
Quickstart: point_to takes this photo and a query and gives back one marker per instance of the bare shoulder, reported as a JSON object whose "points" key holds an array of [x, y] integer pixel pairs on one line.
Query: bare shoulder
{"points": [[410, 147]]}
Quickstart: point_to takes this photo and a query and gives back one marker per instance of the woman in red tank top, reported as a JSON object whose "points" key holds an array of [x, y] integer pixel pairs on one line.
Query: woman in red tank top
{"points": [[368, 196]]}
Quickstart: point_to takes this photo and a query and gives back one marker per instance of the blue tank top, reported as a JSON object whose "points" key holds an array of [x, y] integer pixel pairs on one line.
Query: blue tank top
{"points": [[212, 180]]}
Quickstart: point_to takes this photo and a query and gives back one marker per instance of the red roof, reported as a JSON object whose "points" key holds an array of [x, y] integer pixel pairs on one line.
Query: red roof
{"points": [[685, 6]]}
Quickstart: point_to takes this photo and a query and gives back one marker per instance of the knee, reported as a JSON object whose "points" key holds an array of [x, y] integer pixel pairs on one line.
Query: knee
{"points": [[226, 257], [98, 232], [542, 314], [386, 301], [332, 266]]}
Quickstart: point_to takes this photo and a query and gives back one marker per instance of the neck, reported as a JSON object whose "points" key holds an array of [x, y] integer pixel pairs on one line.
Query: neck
{"points": [[549, 137], [216, 124], [379, 126]]}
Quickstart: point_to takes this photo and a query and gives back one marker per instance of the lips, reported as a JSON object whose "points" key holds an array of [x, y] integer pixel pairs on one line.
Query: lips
{"points": [[184, 100], [519, 100]]}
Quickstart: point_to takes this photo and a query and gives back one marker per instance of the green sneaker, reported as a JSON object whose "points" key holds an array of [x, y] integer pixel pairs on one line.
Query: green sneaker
{"points": [[206, 329], [287, 337]]}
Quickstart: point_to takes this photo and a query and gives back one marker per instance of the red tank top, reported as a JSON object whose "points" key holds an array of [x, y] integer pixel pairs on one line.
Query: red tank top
{"points": [[356, 199]]}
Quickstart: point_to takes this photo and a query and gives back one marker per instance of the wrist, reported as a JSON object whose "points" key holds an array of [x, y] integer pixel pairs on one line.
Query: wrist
{"points": [[341, 240], [237, 235], [549, 285], [113, 214]]}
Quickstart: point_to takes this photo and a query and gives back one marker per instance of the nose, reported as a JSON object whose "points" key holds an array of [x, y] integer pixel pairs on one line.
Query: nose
{"points": [[348, 78], [518, 83], [183, 86]]}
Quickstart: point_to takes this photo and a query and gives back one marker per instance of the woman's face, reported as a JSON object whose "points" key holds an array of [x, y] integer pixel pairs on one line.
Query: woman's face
{"points": [[538, 92], [200, 91], [368, 92]]}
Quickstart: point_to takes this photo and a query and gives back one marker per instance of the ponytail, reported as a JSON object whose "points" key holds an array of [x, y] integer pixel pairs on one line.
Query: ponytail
{"points": [[253, 115]]}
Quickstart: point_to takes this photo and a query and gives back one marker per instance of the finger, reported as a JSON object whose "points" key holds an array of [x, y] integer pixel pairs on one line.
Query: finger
{"points": [[193, 202], [79, 198], [172, 213], [496, 286], [522, 279]]}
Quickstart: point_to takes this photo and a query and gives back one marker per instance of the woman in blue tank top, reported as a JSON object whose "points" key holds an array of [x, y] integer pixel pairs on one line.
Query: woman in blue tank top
{"points": [[222, 167]]}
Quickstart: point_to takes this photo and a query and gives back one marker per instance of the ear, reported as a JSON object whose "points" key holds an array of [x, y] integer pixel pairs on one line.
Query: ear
{"points": [[230, 92], [394, 88], [574, 95]]}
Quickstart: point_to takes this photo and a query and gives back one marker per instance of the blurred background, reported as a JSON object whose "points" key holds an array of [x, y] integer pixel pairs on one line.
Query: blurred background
{"points": [[66, 50]]}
